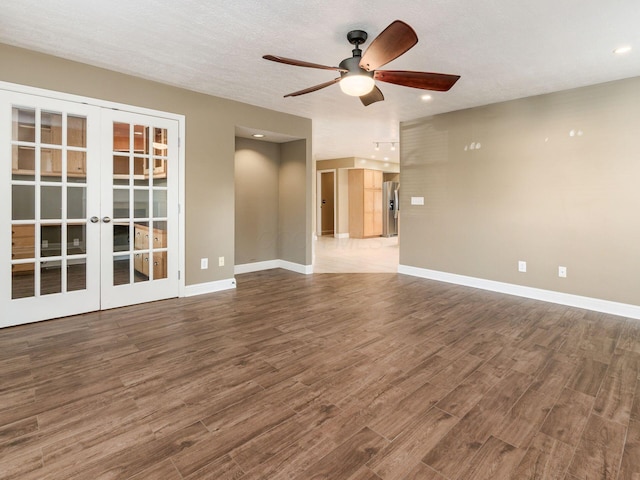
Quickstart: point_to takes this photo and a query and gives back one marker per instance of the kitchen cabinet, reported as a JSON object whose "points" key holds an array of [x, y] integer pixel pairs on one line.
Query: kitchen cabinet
{"points": [[23, 158], [365, 203], [144, 161], [145, 240], [141, 168], [22, 246]]}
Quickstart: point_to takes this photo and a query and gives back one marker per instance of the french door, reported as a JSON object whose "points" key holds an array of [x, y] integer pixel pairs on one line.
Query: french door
{"points": [[88, 210], [139, 222]]}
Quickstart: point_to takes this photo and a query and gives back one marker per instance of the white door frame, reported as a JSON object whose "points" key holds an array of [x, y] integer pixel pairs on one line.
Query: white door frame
{"points": [[24, 89]]}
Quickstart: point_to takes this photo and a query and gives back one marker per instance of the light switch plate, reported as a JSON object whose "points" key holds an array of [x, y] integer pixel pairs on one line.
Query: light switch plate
{"points": [[417, 200]]}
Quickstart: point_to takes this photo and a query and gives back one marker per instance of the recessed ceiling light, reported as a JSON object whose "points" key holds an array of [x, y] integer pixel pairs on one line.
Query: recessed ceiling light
{"points": [[258, 135], [425, 98], [386, 158], [622, 50]]}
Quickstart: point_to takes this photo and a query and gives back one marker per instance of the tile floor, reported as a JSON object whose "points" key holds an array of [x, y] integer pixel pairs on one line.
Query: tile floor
{"points": [[355, 255]]}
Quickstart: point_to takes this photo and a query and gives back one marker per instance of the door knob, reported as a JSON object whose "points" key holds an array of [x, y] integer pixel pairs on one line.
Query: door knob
{"points": [[106, 219], [94, 219]]}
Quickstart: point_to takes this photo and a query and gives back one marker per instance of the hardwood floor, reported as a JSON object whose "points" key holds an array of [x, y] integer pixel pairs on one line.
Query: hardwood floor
{"points": [[328, 376]]}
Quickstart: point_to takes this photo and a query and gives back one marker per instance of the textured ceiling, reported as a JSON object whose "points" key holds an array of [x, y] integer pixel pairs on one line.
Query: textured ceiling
{"points": [[503, 49]]}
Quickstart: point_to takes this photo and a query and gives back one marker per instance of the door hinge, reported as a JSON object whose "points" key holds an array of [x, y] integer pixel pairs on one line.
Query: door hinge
{"points": [[178, 274], [179, 142]]}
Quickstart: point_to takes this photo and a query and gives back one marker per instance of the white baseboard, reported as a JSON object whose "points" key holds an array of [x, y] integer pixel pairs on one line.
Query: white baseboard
{"points": [[341, 235], [269, 264], [256, 266], [210, 287], [296, 267], [588, 303]]}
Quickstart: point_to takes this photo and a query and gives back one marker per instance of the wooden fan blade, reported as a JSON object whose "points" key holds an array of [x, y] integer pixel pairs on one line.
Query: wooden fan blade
{"points": [[394, 40], [300, 63], [440, 82], [373, 96], [313, 89]]}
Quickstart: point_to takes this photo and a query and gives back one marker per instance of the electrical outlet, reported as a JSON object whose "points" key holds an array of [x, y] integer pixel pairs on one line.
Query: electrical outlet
{"points": [[204, 263], [221, 261], [76, 242], [562, 272], [45, 243], [522, 266]]}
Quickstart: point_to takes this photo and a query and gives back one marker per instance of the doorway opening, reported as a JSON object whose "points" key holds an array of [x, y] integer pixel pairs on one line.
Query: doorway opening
{"points": [[271, 229], [350, 208], [327, 203]]}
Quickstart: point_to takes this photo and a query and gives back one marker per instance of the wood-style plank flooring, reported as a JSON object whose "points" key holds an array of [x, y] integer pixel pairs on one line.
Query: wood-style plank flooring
{"points": [[327, 376]]}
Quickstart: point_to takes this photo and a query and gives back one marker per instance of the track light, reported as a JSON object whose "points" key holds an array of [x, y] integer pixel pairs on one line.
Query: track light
{"points": [[392, 145]]}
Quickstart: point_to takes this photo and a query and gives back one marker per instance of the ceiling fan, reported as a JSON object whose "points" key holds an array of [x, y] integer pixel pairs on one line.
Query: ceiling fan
{"points": [[359, 72]]}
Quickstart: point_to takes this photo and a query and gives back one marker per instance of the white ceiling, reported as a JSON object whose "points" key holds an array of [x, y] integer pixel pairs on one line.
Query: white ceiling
{"points": [[503, 49]]}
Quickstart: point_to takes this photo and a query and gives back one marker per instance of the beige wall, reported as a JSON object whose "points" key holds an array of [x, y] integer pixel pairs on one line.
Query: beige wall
{"points": [[391, 177], [210, 148], [335, 163], [294, 197], [257, 166], [532, 191], [269, 193]]}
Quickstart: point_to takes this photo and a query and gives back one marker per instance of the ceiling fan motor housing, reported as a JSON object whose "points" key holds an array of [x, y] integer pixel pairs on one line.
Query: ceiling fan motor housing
{"points": [[352, 65]]}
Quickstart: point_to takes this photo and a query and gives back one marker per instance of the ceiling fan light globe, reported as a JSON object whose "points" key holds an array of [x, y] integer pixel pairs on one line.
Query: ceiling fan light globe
{"points": [[357, 85]]}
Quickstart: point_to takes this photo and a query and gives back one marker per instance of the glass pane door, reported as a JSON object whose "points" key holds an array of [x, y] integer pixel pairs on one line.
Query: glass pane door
{"points": [[141, 199], [53, 253], [88, 208]]}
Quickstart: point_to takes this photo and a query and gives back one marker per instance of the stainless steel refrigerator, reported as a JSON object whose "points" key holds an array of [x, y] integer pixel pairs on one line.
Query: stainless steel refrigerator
{"points": [[390, 208]]}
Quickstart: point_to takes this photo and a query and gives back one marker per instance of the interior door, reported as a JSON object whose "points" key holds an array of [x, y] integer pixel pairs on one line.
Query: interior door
{"points": [[327, 194], [88, 208], [139, 209], [49, 186]]}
